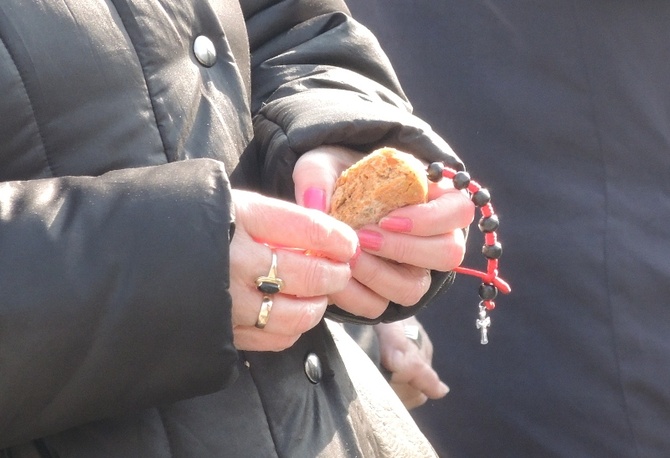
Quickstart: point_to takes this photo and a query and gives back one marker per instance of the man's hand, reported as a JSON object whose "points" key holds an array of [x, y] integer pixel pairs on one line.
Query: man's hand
{"points": [[407, 352]]}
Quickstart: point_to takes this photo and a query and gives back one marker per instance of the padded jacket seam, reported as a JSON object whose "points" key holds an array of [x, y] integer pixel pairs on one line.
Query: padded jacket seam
{"points": [[30, 103], [146, 82]]}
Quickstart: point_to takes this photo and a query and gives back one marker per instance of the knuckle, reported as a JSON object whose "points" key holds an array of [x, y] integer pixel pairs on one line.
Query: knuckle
{"points": [[453, 252], [456, 207], [415, 289], [409, 297], [402, 251], [318, 277], [368, 276], [307, 317], [467, 210], [317, 232], [282, 342]]}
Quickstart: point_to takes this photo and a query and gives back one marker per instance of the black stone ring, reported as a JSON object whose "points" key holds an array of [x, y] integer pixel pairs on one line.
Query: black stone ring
{"points": [[270, 284]]}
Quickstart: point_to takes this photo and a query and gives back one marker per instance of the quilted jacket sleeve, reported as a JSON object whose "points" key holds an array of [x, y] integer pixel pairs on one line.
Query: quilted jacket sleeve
{"points": [[82, 336], [319, 77]]}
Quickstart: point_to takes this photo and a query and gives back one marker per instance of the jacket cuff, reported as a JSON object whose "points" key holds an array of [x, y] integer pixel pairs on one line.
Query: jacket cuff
{"points": [[441, 281], [294, 125]]}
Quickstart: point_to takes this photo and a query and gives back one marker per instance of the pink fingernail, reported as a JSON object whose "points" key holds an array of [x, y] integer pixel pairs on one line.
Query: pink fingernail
{"points": [[396, 224], [315, 198], [370, 240]]}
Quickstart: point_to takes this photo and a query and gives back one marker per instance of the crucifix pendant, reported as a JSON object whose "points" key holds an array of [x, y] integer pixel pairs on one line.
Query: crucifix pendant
{"points": [[483, 324]]}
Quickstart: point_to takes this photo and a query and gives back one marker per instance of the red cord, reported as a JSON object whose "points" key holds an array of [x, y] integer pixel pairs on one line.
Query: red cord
{"points": [[490, 277]]}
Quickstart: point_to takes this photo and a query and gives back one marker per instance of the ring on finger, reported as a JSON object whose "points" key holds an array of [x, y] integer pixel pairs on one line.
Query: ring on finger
{"points": [[412, 333], [264, 314], [270, 283]]}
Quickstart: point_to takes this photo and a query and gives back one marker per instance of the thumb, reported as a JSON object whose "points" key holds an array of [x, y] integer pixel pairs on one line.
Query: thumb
{"points": [[316, 172], [393, 345]]}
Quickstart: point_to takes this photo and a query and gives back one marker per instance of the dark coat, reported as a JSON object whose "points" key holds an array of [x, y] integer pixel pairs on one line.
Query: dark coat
{"points": [[117, 146], [563, 109]]}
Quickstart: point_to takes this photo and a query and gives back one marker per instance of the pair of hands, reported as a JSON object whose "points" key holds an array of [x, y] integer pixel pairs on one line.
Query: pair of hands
{"points": [[322, 260]]}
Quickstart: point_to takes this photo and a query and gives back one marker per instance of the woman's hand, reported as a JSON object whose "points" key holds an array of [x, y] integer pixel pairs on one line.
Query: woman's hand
{"points": [[399, 252], [313, 254]]}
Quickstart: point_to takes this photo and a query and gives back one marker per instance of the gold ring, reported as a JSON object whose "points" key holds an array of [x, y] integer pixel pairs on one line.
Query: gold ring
{"points": [[270, 283], [264, 314]]}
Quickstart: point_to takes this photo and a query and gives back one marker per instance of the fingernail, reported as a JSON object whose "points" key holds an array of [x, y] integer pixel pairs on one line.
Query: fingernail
{"points": [[315, 198], [370, 240], [396, 224], [354, 258], [444, 389]]}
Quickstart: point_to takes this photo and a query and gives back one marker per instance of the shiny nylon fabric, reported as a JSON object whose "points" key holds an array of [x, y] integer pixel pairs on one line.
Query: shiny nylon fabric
{"points": [[113, 125]]}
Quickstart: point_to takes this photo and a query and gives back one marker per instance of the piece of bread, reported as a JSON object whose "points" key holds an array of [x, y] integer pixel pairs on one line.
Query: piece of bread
{"points": [[382, 181]]}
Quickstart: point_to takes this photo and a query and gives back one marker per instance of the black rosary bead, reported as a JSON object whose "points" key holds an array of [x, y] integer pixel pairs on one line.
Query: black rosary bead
{"points": [[434, 171], [492, 251], [489, 224], [461, 180], [481, 197], [487, 291]]}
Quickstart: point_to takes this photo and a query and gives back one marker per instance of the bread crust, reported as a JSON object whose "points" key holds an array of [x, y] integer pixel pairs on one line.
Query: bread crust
{"points": [[381, 182]]}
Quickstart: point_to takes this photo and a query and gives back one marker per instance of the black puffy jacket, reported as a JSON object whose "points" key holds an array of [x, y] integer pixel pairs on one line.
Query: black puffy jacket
{"points": [[117, 146]]}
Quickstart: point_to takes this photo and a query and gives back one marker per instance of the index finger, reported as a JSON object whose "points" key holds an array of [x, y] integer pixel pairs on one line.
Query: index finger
{"points": [[450, 211], [283, 224]]}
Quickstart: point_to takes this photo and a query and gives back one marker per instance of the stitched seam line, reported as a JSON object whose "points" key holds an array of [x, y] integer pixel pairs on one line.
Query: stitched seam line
{"points": [[30, 103], [146, 81], [622, 391], [265, 411], [168, 435]]}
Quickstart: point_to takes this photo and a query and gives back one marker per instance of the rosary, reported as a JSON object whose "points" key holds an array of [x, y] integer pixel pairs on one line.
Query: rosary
{"points": [[492, 249]]}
